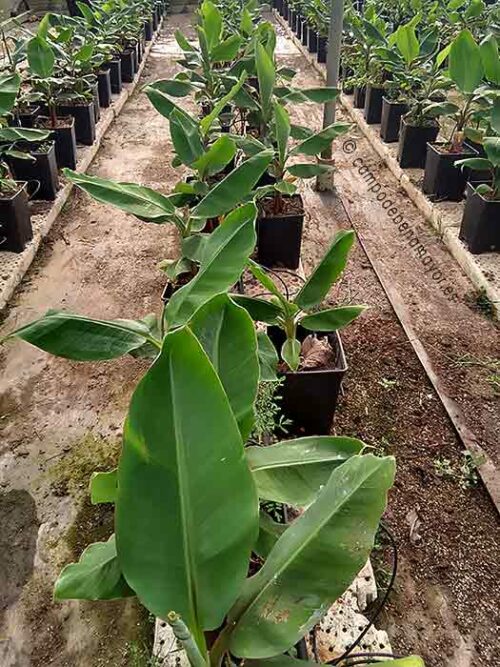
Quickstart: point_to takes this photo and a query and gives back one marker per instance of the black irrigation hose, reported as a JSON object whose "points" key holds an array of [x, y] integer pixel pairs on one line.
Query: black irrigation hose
{"points": [[380, 606]]}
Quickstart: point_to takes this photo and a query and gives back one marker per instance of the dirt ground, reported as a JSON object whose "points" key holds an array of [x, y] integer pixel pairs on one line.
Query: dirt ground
{"points": [[62, 420]]}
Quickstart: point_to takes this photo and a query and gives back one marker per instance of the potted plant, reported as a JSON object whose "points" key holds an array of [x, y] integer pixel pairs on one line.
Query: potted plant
{"points": [[480, 229], [41, 60], [466, 71], [311, 358]]}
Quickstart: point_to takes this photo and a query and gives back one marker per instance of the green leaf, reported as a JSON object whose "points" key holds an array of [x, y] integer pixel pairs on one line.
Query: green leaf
{"points": [[138, 200], [264, 279], [314, 561], [332, 319], [490, 59], [290, 353], [229, 192], [407, 43], [211, 23], [327, 272], [23, 134], [227, 50], [84, 53], [266, 75], [164, 105], [317, 143], [41, 57], [300, 132], [269, 532], [9, 88], [186, 510], [317, 95], [96, 576], [268, 357], [282, 127], [183, 42], [308, 169], [186, 138], [479, 163], [289, 661], [260, 310], [103, 487], [207, 121], [175, 87], [492, 148], [465, 64], [495, 116], [218, 155], [224, 257], [227, 334], [294, 471], [81, 338]]}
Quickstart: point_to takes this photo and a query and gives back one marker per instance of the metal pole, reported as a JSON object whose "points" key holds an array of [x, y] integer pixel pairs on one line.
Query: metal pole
{"points": [[325, 181]]}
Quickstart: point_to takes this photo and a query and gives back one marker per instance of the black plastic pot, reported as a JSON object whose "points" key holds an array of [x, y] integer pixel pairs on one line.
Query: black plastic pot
{"points": [[138, 48], [26, 117], [478, 148], [42, 169], [305, 32], [127, 65], [154, 21], [279, 238], [104, 87], [392, 112], [298, 25], [373, 104], [412, 147], [359, 97], [480, 228], [442, 180], [309, 397], [115, 74], [97, 107], [15, 220], [322, 48], [64, 138], [84, 120], [148, 30], [312, 40]]}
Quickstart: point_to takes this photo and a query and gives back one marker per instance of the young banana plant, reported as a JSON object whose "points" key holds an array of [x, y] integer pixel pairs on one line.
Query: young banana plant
{"points": [[304, 310], [182, 548]]}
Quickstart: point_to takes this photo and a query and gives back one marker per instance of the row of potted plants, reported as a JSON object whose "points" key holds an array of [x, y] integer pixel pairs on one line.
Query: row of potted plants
{"points": [[232, 583], [437, 73], [52, 89]]}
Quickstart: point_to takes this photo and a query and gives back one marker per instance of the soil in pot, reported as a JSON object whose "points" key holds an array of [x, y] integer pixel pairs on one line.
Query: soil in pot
{"points": [[373, 104], [312, 40], [104, 87], [412, 147], [359, 97], [279, 235], [392, 112], [84, 116], [310, 394], [64, 138], [480, 228], [322, 48], [15, 219], [442, 180], [127, 65], [43, 169]]}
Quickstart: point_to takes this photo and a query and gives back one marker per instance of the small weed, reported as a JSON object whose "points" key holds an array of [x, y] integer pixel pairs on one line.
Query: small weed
{"points": [[465, 474], [139, 655], [269, 421], [388, 384], [480, 301], [494, 381], [491, 365], [382, 447]]}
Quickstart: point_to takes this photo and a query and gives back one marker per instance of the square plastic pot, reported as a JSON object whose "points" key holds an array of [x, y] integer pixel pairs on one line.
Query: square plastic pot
{"points": [[312, 40], [442, 180], [279, 238], [412, 147], [305, 32], [127, 65], [64, 138], [480, 228], [104, 87], [15, 220], [373, 104], [115, 73], [392, 112], [359, 97], [42, 170], [84, 116], [322, 49]]}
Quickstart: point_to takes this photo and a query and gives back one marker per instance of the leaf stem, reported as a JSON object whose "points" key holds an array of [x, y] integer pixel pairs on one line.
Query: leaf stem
{"points": [[182, 633]]}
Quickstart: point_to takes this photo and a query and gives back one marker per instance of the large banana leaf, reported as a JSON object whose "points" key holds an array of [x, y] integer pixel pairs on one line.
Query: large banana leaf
{"points": [[326, 273], [259, 309], [318, 95], [82, 338], [266, 74], [314, 561], [465, 63], [9, 87], [223, 259], [316, 143], [145, 203], [294, 471], [227, 334], [186, 138], [269, 533], [216, 157], [23, 134], [331, 319], [186, 508], [96, 576], [233, 188]]}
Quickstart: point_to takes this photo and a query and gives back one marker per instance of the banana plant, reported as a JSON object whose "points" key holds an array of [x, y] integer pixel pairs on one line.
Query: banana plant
{"points": [[182, 549], [303, 310], [155, 207], [490, 165]]}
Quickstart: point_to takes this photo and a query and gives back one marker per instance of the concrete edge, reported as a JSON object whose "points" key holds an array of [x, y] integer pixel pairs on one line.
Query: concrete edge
{"points": [[87, 155], [431, 212]]}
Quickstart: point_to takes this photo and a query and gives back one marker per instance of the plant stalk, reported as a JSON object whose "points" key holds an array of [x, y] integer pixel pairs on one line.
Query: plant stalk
{"points": [[182, 633]]}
